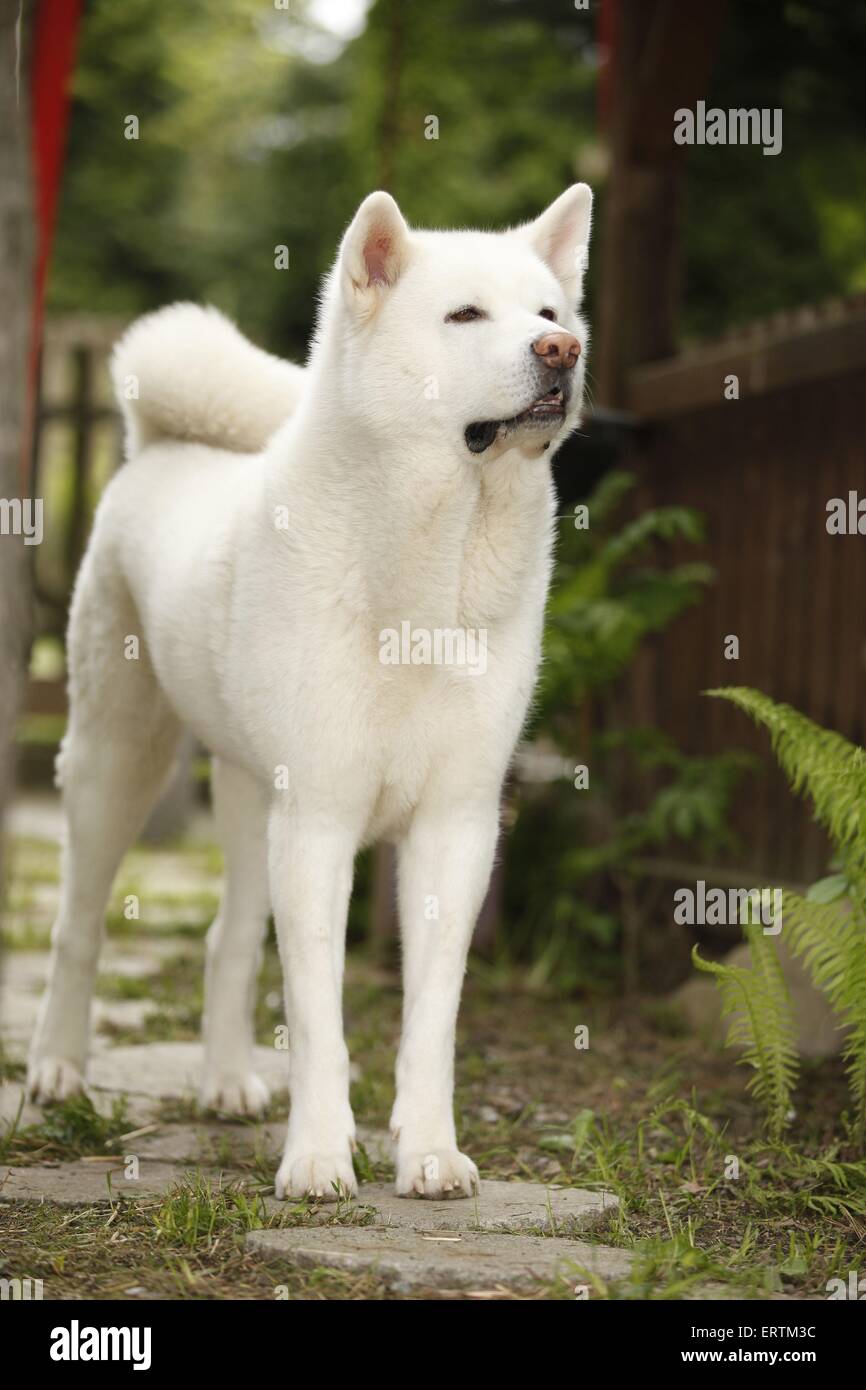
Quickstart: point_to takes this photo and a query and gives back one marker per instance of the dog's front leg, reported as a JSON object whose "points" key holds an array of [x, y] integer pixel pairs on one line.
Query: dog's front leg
{"points": [[310, 867], [444, 869]]}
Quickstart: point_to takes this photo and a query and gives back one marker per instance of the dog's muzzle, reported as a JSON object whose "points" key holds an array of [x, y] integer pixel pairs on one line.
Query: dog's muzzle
{"points": [[546, 410]]}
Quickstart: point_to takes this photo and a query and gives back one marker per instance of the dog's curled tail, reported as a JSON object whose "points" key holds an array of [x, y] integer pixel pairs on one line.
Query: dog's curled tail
{"points": [[185, 372]]}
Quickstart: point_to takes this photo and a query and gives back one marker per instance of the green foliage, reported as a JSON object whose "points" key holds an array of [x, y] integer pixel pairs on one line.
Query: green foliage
{"points": [[261, 127], [825, 767], [78, 1127], [832, 943], [805, 233], [608, 595], [826, 928], [199, 1210], [762, 1024], [615, 586]]}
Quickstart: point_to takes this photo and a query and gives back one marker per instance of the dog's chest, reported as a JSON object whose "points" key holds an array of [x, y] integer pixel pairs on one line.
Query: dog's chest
{"points": [[427, 722]]}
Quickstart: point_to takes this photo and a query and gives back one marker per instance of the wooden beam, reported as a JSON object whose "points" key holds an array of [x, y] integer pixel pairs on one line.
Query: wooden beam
{"points": [[761, 362], [662, 61]]}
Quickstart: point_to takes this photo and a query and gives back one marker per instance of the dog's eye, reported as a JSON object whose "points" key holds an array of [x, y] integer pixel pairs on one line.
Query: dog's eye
{"points": [[547, 314], [466, 314]]}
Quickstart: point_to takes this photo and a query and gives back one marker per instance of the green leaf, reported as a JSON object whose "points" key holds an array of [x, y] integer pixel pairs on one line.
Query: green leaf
{"points": [[827, 890]]}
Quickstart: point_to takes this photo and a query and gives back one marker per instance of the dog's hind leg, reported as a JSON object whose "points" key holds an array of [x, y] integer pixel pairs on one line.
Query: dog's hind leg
{"points": [[115, 757], [234, 945]]}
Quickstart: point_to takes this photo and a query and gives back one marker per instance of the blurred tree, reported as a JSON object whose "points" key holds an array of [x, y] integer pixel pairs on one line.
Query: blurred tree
{"points": [[259, 127], [765, 233]]}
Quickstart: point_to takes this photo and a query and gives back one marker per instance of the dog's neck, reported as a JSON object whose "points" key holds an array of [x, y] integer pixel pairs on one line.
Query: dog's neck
{"points": [[414, 531]]}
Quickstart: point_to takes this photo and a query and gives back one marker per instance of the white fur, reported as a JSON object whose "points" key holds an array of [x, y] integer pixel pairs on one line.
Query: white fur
{"points": [[202, 381], [265, 641]]}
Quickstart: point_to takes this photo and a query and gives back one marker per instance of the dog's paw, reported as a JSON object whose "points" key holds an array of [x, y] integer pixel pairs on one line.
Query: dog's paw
{"points": [[436, 1174], [326, 1176], [235, 1093], [51, 1079]]}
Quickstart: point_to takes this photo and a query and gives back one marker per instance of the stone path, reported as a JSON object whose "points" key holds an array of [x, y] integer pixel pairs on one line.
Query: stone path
{"points": [[500, 1206], [479, 1244], [408, 1260]]}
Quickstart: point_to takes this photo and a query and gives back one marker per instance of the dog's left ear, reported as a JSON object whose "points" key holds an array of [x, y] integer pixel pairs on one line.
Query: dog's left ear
{"points": [[374, 251], [560, 236]]}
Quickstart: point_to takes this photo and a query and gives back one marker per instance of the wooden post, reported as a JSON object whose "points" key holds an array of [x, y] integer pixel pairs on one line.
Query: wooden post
{"points": [[16, 298], [661, 61]]}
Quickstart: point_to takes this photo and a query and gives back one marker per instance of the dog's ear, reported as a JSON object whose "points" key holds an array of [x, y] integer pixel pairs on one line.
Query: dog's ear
{"points": [[374, 251], [560, 236]]}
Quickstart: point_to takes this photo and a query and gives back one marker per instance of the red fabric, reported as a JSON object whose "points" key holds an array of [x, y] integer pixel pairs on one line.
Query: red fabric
{"points": [[55, 30]]}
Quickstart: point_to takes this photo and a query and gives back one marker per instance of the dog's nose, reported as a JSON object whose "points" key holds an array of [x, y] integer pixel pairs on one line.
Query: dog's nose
{"points": [[558, 349]]}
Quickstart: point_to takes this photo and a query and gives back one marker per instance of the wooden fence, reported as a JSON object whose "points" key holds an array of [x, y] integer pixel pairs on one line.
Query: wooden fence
{"points": [[77, 444], [762, 469]]}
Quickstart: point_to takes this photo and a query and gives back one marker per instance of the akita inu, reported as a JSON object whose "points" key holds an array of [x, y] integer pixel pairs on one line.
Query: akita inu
{"points": [[270, 525]]}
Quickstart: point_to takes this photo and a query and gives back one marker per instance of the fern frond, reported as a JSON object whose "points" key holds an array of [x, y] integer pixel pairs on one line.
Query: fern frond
{"points": [[832, 944], [659, 523], [823, 765], [829, 938], [758, 1003]]}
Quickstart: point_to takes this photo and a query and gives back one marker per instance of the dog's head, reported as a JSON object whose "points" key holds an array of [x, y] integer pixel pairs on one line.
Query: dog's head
{"points": [[468, 339]]}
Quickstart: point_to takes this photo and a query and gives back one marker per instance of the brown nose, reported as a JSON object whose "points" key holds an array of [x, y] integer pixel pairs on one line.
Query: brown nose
{"points": [[558, 349]]}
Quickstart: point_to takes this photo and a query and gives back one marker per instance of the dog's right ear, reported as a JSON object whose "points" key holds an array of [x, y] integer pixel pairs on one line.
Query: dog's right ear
{"points": [[374, 252]]}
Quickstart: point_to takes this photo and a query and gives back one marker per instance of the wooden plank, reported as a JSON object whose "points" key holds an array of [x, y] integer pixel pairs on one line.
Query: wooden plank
{"points": [[696, 380]]}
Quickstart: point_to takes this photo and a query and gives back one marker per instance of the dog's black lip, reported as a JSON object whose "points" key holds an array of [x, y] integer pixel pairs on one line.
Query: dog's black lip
{"points": [[480, 434]]}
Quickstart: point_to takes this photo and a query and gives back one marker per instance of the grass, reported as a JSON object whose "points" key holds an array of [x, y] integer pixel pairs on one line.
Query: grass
{"points": [[69, 1130], [124, 1253]]}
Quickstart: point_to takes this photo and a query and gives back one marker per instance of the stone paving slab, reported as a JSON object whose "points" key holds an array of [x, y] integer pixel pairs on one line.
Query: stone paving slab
{"points": [[15, 1107], [84, 1184], [22, 980], [409, 1260], [210, 1141], [171, 1070], [499, 1206]]}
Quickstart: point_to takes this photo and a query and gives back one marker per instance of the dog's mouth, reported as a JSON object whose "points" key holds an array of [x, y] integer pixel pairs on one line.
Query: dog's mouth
{"points": [[547, 410]]}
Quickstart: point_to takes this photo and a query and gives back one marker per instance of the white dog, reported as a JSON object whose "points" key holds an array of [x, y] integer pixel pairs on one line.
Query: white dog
{"points": [[248, 569]]}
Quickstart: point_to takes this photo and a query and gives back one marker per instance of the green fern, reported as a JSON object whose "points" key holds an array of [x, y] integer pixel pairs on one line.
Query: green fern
{"points": [[832, 944], [826, 929], [758, 1003], [822, 765]]}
